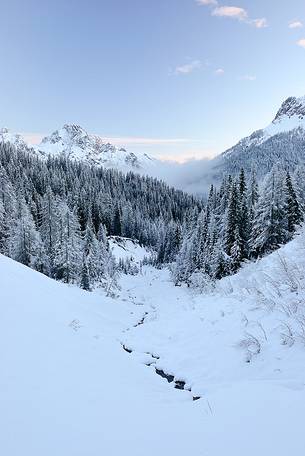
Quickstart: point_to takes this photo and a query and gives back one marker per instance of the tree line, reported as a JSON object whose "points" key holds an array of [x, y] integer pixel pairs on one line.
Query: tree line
{"points": [[241, 221], [56, 214]]}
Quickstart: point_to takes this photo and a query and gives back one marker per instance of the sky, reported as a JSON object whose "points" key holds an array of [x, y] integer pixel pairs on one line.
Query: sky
{"points": [[178, 79]]}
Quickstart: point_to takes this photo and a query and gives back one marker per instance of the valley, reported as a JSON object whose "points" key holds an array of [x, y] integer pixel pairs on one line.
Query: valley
{"points": [[71, 388]]}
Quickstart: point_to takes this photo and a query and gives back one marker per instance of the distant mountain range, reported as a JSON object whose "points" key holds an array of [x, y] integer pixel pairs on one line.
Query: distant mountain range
{"points": [[74, 142], [282, 142]]}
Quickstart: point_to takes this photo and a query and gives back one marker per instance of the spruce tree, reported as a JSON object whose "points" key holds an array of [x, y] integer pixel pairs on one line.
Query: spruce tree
{"points": [[232, 220], [293, 212]]}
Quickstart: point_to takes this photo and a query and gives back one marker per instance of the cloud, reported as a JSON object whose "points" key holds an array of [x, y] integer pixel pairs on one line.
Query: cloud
{"points": [[260, 23], [233, 12], [207, 2], [295, 24], [247, 77], [140, 141], [220, 72], [189, 172], [188, 67], [301, 43]]}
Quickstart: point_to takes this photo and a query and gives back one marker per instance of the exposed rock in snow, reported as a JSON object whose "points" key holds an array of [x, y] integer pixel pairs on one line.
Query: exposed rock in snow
{"points": [[74, 142]]}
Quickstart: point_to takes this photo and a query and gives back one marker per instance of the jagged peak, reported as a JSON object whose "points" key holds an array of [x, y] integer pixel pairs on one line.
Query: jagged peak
{"points": [[293, 106], [74, 129], [76, 143]]}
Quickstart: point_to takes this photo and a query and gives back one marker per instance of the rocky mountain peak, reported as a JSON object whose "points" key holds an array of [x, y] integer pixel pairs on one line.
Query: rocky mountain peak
{"points": [[291, 107]]}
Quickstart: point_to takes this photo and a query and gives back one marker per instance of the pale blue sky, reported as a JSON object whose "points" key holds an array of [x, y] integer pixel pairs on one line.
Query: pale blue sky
{"points": [[170, 77]]}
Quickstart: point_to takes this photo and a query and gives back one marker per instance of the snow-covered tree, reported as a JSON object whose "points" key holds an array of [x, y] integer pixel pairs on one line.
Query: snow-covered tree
{"points": [[24, 243], [67, 261]]}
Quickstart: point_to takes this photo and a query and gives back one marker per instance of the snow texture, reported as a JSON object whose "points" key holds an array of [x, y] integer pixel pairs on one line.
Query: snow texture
{"points": [[67, 387]]}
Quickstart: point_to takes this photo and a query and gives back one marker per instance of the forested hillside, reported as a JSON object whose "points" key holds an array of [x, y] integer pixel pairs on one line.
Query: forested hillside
{"points": [[242, 220], [55, 214]]}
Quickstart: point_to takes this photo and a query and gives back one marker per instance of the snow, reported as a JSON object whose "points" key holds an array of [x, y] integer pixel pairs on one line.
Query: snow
{"points": [[73, 141], [68, 388], [7, 137], [125, 248], [283, 125], [290, 117], [66, 385]]}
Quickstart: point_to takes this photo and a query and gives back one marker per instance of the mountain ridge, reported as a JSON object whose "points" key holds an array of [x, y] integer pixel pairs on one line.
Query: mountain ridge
{"points": [[77, 144], [281, 142]]}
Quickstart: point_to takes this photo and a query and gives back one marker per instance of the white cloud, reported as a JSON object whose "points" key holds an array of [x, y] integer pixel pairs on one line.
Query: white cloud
{"points": [[220, 72], [233, 12], [295, 24], [207, 2], [188, 67], [134, 140], [260, 23], [247, 77], [301, 43]]}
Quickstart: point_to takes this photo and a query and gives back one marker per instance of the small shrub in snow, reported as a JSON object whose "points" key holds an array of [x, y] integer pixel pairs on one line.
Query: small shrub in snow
{"points": [[201, 282], [287, 336], [251, 345]]}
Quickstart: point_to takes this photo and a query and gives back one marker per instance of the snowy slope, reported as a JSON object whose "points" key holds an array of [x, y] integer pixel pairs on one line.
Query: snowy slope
{"points": [[240, 347], [67, 386], [125, 248]]}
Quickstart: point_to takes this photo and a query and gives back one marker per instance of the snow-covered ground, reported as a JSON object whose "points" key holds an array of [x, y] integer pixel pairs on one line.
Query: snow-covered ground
{"points": [[127, 249], [68, 388]]}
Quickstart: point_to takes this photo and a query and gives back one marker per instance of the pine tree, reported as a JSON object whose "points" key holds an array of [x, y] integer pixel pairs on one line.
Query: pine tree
{"points": [[294, 215], [3, 230], [243, 218], [85, 279], [269, 229], [49, 225], [24, 242], [91, 254], [117, 222], [237, 251], [232, 220], [67, 260]]}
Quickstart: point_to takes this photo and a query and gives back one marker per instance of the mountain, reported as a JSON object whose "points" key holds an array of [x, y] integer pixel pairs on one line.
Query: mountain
{"points": [[74, 142], [16, 140], [282, 142]]}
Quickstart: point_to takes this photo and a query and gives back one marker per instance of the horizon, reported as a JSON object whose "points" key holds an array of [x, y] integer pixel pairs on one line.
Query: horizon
{"points": [[138, 144], [177, 81]]}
